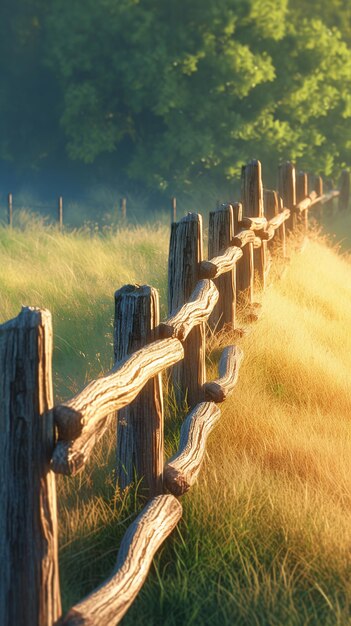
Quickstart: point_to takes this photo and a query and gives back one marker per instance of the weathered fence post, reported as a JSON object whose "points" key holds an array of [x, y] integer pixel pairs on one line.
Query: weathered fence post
{"points": [[270, 203], [318, 185], [245, 266], [60, 213], [287, 190], [344, 186], [301, 194], [173, 209], [124, 208], [282, 229], [140, 424], [9, 210], [185, 256], [220, 235], [29, 581], [252, 201]]}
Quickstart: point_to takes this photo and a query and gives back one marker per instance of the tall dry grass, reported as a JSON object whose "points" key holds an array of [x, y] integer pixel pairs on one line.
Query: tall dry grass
{"points": [[265, 537]]}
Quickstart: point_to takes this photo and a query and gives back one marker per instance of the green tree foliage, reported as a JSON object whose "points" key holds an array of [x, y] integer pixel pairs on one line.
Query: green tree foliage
{"points": [[180, 88]]}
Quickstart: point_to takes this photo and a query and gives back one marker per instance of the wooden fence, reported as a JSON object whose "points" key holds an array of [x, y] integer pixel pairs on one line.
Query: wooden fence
{"points": [[38, 439]]}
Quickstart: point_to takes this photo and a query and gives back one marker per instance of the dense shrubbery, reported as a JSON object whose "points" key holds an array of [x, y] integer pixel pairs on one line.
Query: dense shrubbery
{"points": [[170, 91]]}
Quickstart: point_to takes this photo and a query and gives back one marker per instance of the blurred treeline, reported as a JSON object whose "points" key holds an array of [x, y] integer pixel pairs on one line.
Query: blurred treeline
{"points": [[167, 91]]}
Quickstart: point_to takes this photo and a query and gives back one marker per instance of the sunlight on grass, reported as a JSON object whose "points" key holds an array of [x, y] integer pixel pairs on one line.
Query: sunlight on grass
{"points": [[265, 537], [75, 275]]}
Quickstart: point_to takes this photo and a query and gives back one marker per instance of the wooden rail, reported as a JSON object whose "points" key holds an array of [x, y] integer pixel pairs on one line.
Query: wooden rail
{"points": [[242, 240]]}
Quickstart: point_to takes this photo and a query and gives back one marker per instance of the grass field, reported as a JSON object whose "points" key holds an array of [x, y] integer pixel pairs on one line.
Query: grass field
{"points": [[265, 537]]}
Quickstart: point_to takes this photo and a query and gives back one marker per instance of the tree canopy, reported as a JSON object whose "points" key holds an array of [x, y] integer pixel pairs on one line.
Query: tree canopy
{"points": [[173, 90]]}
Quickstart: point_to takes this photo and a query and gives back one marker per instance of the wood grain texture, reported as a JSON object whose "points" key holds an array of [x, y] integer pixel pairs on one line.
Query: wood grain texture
{"points": [[110, 601], [270, 202], [253, 208], [287, 190], [185, 256], [252, 189], [301, 186], [279, 219], [245, 274], [229, 365], [253, 223], [344, 188], [29, 581], [243, 238], [237, 216], [82, 420], [194, 312], [182, 470], [221, 266], [140, 430]]}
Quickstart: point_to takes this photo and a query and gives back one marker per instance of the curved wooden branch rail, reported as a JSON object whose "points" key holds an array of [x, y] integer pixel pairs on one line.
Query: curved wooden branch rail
{"points": [[229, 366], [194, 312], [266, 235], [329, 196], [183, 468], [221, 264], [109, 602], [242, 238], [307, 202], [82, 421], [253, 223], [279, 219]]}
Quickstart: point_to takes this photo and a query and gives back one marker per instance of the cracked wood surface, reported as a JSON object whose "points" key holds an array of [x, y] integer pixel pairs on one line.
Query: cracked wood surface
{"points": [[140, 423], [253, 223], [82, 420], [111, 600], [228, 369], [29, 578], [194, 312], [219, 265], [182, 470], [222, 256], [185, 256], [243, 238]]}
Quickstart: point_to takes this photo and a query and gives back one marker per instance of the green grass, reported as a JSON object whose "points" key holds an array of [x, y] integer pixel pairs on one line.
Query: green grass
{"points": [[265, 536]]}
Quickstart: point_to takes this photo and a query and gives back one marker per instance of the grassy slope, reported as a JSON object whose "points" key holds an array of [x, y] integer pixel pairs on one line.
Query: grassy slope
{"points": [[265, 537]]}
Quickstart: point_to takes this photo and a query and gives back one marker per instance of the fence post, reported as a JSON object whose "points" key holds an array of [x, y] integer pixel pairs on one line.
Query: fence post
{"points": [[344, 186], [220, 235], [302, 193], [318, 187], [287, 190], [9, 210], [270, 203], [245, 266], [252, 201], [29, 581], [140, 424], [185, 256], [60, 213], [124, 208], [173, 209]]}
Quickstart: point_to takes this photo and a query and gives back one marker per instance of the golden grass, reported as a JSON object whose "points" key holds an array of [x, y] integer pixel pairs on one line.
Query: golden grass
{"points": [[266, 536]]}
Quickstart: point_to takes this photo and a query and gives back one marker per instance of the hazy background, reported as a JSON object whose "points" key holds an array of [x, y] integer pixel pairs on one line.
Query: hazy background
{"points": [[152, 98]]}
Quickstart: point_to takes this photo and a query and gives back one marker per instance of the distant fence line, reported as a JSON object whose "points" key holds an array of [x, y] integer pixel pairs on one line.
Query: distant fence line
{"points": [[243, 237], [122, 210], [120, 207]]}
